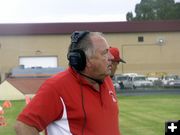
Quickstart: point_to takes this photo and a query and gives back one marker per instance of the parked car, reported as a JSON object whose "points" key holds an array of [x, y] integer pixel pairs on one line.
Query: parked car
{"points": [[167, 79], [174, 83], [156, 81], [141, 81], [152, 79], [124, 81], [130, 74]]}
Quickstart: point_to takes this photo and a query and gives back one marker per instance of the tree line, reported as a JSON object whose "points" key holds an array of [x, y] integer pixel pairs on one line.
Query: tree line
{"points": [[155, 10]]}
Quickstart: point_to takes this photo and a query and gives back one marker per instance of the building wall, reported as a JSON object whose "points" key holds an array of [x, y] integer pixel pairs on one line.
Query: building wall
{"points": [[14, 46], [141, 57], [148, 56]]}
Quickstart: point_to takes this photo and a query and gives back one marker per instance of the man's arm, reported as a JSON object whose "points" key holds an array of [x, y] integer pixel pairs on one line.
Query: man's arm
{"points": [[24, 129]]}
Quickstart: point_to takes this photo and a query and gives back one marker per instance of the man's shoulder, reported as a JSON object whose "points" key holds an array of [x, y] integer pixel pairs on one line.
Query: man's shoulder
{"points": [[60, 76]]}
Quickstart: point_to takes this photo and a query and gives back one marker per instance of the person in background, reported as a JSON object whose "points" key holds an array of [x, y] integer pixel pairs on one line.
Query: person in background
{"points": [[117, 59], [80, 100]]}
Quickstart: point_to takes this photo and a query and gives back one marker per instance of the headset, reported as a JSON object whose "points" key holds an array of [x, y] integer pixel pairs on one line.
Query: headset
{"points": [[76, 56]]}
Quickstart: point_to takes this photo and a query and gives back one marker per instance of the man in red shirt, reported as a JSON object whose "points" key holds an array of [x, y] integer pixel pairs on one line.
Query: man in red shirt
{"points": [[79, 101], [117, 59]]}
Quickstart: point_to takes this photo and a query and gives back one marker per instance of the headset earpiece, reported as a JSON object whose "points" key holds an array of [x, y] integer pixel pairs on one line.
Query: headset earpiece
{"points": [[77, 57]]}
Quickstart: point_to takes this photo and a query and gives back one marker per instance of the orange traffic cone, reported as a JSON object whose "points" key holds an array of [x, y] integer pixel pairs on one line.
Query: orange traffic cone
{"points": [[2, 121], [7, 104]]}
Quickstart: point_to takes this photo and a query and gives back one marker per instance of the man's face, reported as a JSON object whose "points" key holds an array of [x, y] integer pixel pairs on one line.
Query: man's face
{"points": [[114, 68], [101, 62]]}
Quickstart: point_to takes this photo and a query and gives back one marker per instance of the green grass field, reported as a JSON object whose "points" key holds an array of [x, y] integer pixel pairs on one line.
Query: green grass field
{"points": [[139, 115], [146, 115], [10, 115]]}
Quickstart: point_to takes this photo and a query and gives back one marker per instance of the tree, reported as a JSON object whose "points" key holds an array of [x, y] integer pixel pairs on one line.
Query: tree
{"points": [[155, 10], [176, 12], [129, 16]]}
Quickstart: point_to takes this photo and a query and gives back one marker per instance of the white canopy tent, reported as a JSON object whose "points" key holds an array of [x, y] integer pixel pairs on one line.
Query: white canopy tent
{"points": [[9, 92]]}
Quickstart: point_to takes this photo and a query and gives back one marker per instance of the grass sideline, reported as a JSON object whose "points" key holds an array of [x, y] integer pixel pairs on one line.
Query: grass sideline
{"points": [[139, 115], [10, 115], [146, 115]]}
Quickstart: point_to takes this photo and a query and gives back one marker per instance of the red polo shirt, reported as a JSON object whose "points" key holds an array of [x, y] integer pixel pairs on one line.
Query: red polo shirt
{"points": [[67, 104]]}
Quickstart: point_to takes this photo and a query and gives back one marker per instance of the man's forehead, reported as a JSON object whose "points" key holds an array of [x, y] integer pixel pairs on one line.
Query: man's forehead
{"points": [[99, 40]]}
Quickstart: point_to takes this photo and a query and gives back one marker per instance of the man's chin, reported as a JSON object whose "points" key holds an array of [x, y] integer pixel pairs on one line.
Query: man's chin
{"points": [[108, 73]]}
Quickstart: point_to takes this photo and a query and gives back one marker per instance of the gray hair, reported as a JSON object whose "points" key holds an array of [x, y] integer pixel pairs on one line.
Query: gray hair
{"points": [[85, 44]]}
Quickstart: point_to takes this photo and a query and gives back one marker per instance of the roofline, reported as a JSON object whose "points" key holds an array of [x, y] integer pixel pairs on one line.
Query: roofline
{"points": [[106, 27]]}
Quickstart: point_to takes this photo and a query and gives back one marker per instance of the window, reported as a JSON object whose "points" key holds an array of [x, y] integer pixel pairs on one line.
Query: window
{"points": [[140, 39], [33, 61]]}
